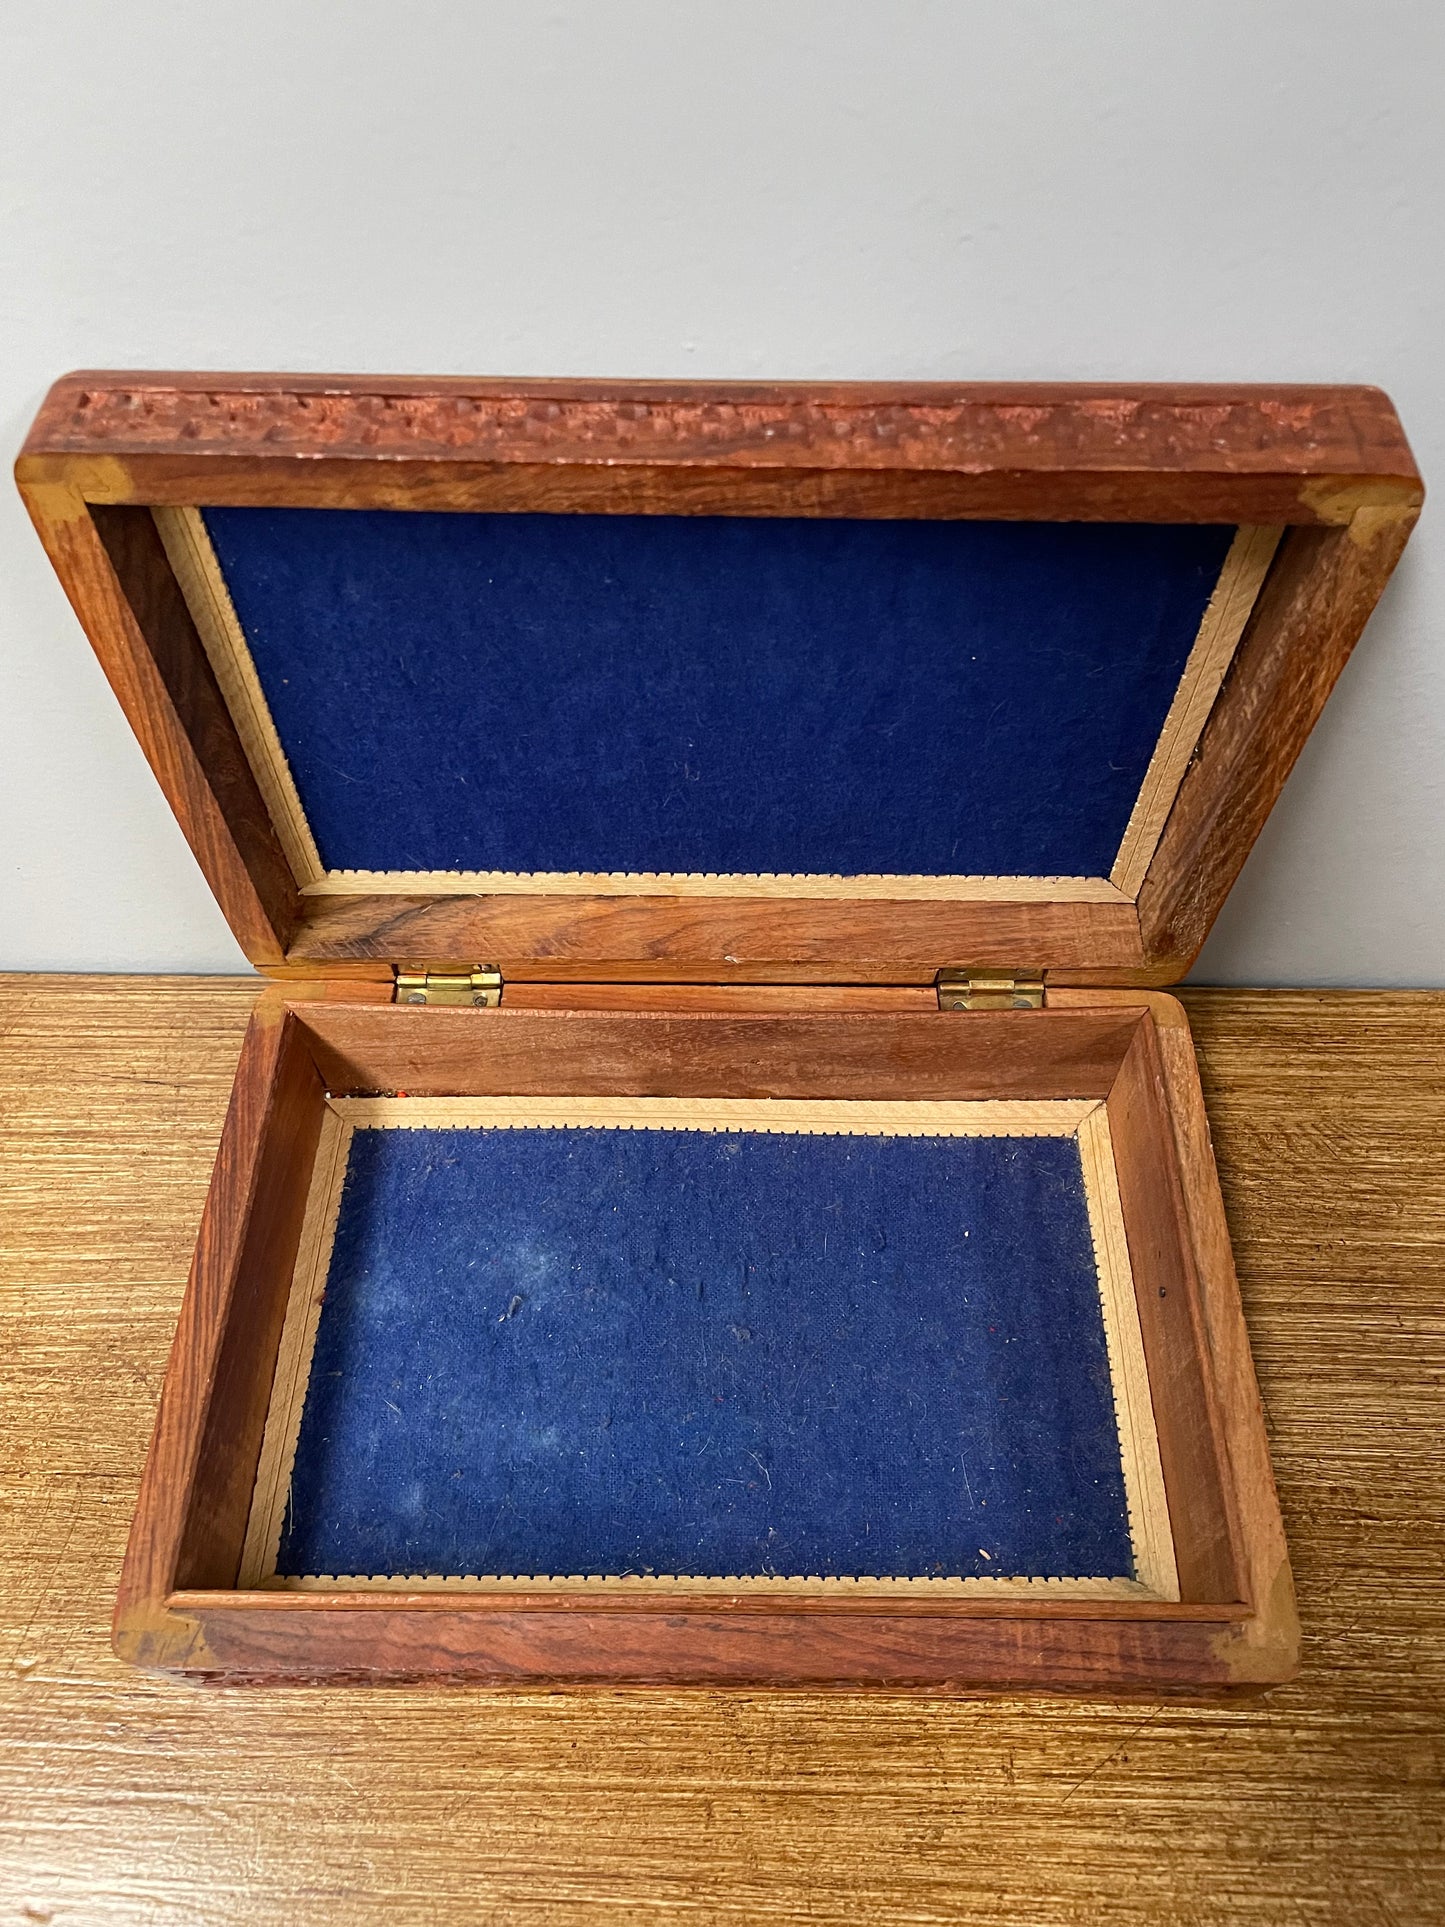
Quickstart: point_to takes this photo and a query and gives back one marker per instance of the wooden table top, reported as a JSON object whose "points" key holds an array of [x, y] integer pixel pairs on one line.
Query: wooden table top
{"points": [[127, 1798]]}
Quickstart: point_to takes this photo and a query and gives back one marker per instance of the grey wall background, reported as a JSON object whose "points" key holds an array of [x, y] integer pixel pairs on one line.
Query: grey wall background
{"points": [[791, 188]]}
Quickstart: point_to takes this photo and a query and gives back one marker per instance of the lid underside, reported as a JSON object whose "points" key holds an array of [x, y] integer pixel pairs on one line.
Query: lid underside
{"points": [[532, 701]]}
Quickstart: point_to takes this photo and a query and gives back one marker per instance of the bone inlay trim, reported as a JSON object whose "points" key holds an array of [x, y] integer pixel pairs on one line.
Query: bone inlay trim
{"points": [[183, 532], [1149, 1531], [1046, 1117], [1235, 594], [648, 883], [1010, 1588], [298, 1343]]}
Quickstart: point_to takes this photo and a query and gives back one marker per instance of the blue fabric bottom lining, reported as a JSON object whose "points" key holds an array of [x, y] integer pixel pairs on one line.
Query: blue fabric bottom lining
{"points": [[596, 1351]]}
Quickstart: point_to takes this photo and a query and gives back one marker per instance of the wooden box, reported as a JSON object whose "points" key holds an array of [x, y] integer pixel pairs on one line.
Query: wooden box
{"points": [[681, 824]]}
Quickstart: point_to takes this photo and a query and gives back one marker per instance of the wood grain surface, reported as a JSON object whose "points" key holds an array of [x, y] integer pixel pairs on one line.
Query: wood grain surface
{"points": [[124, 1798]]}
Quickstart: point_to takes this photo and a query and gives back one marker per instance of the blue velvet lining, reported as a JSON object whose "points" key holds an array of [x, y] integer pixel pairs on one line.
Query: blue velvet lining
{"points": [[716, 694], [604, 1351]]}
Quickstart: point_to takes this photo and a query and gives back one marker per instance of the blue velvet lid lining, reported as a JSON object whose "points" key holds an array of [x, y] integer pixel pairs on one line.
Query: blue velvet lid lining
{"points": [[584, 1351], [715, 695]]}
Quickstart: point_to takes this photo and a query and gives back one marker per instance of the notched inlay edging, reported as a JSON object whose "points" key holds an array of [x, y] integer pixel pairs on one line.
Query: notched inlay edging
{"points": [[1005, 1585], [282, 1434], [766, 885], [198, 571], [1145, 1499], [768, 1116]]}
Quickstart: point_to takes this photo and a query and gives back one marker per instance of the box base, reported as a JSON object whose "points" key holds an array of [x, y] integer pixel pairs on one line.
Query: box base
{"points": [[197, 1599]]}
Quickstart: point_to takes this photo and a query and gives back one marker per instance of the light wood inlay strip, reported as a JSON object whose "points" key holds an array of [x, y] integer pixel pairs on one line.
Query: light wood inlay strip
{"points": [[1149, 1529], [1046, 1117], [293, 1360], [198, 572], [1002, 1588], [660, 883], [1235, 594]]}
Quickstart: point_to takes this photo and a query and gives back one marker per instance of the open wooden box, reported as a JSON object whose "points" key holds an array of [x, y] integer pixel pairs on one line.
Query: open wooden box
{"points": [[681, 825]]}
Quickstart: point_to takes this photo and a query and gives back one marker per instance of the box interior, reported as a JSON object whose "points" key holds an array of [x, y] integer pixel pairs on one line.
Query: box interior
{"points": [[650, 1302]]}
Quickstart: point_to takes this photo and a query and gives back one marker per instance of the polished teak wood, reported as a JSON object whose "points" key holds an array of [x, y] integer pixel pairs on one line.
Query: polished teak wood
{"points": [[777, 994]]}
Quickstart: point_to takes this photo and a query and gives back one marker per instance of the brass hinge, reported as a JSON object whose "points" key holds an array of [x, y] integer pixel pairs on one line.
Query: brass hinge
{"points": [[990, 989], [481, 987]]}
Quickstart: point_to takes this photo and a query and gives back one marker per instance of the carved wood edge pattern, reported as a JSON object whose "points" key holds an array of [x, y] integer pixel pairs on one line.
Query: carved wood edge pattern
{"points": [[937, 427]]}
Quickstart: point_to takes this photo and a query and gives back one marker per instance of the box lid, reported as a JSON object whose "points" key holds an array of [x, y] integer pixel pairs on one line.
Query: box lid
{"points": [[772, 683]]}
